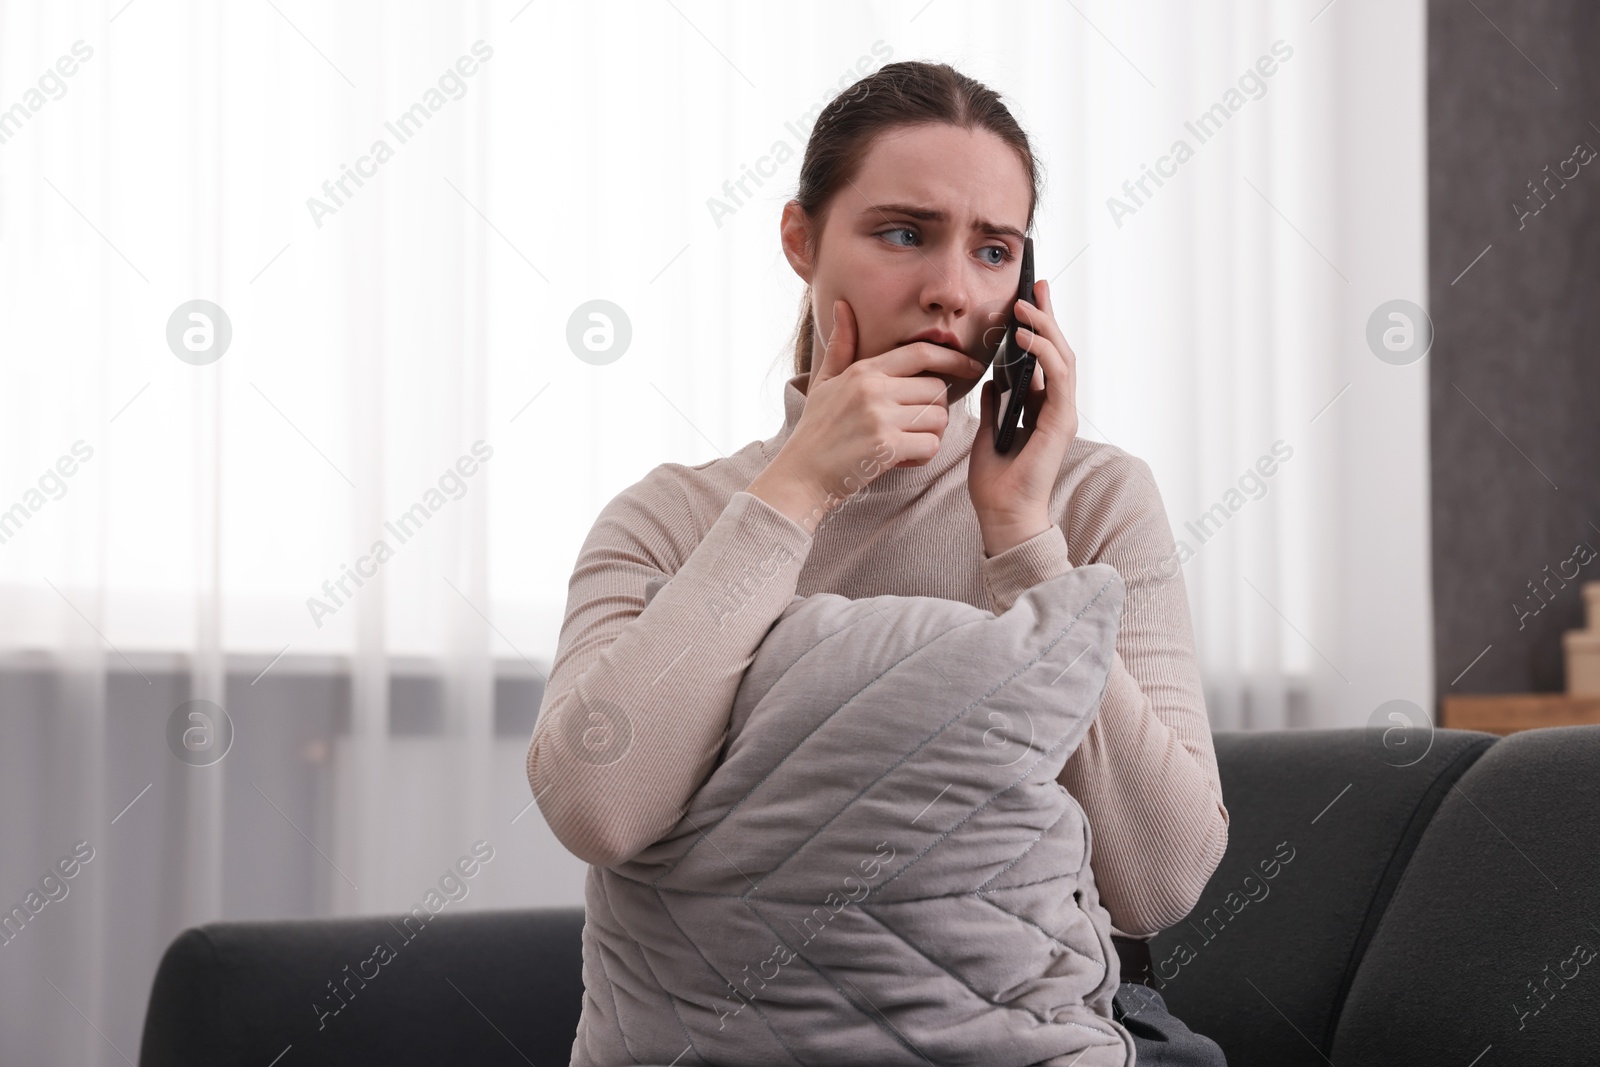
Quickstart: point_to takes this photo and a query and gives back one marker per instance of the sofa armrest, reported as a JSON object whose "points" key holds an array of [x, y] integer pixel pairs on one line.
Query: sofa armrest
{"points": [[484, 987]]}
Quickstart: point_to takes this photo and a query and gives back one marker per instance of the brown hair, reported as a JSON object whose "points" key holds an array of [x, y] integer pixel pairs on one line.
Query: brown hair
{"points": [[905, 93]]}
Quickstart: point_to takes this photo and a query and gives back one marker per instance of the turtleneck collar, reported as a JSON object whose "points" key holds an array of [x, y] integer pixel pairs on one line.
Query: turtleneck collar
{"points": [[954, 446]]}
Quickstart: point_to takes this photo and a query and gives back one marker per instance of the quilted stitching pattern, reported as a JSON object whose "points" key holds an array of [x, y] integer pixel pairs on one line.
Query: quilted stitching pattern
{"points": [[881, 868]]}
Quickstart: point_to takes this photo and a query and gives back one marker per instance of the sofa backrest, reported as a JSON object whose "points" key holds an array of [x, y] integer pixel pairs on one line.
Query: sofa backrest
{"points": [[1322, 823], [1491, 945], [476, 987], [1442, 912]]}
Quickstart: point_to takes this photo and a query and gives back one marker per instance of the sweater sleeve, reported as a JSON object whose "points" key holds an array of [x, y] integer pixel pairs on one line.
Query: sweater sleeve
{"points": [[637, 702], [1146, 772]]}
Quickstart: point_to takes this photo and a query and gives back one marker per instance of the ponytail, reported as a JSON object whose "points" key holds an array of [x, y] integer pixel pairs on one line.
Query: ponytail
{"points": [[804, 331]]}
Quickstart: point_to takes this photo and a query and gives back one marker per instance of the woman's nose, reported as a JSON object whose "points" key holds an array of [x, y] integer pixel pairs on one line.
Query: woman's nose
{"points": [[946, 286]]}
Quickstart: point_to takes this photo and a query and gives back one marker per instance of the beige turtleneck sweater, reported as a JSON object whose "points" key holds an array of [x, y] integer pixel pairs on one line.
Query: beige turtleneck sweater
{"points": [[639, 694]]}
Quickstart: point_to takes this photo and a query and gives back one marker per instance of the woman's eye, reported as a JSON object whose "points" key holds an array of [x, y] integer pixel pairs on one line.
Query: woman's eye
{"points": [[1001, 252]]}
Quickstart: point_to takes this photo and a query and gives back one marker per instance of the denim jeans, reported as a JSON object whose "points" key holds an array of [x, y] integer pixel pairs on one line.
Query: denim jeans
{"points": [[1159, 1039]]}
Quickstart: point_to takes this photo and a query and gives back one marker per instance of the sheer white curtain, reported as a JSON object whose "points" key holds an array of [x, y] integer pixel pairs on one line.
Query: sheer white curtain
{"points": [[180, 526], [1223, 326]]}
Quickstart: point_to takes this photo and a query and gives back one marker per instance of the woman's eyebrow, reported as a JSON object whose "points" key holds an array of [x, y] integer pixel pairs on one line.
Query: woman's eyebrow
{"points": [[928, 214]]}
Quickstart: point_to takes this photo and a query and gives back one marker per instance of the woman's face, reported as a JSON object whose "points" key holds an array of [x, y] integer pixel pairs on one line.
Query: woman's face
{"points": [[926, 237]]}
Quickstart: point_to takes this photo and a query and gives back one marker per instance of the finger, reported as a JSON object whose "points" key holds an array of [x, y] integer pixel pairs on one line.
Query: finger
{"points": [[1056, 358], [1038, 394], [1032, 406], [840, 350], [1041, 318], [1031, 343], [1058, 404], [921, 356], [1027, 338], [922, 404], [1040, 297], [1052, 367], [917, 391]]}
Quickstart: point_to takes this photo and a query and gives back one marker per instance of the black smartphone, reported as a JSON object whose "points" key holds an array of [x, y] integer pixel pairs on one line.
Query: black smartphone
{"points": [[1013, 367]]}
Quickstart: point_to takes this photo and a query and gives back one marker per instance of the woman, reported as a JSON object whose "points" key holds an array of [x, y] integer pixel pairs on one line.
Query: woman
{"points": [[916, 191]]}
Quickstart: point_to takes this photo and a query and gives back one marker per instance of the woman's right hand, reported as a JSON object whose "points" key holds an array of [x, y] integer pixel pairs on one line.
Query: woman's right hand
{"points": [[860, 419]]}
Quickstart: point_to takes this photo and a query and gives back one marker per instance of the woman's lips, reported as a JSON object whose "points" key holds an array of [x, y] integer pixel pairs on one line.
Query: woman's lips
{"points": [[943, 338]]}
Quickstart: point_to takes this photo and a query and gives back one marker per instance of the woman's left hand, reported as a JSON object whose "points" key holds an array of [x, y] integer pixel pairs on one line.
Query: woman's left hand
{"points": [[1011, 492]]}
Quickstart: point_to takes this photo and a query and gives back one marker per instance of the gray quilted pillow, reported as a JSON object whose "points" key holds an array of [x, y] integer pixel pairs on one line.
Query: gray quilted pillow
{"points": [[881, 868]]}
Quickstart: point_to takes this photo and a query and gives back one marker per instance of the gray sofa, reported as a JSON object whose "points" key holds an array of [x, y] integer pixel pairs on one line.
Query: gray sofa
{"points": [[1431, 903]]}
